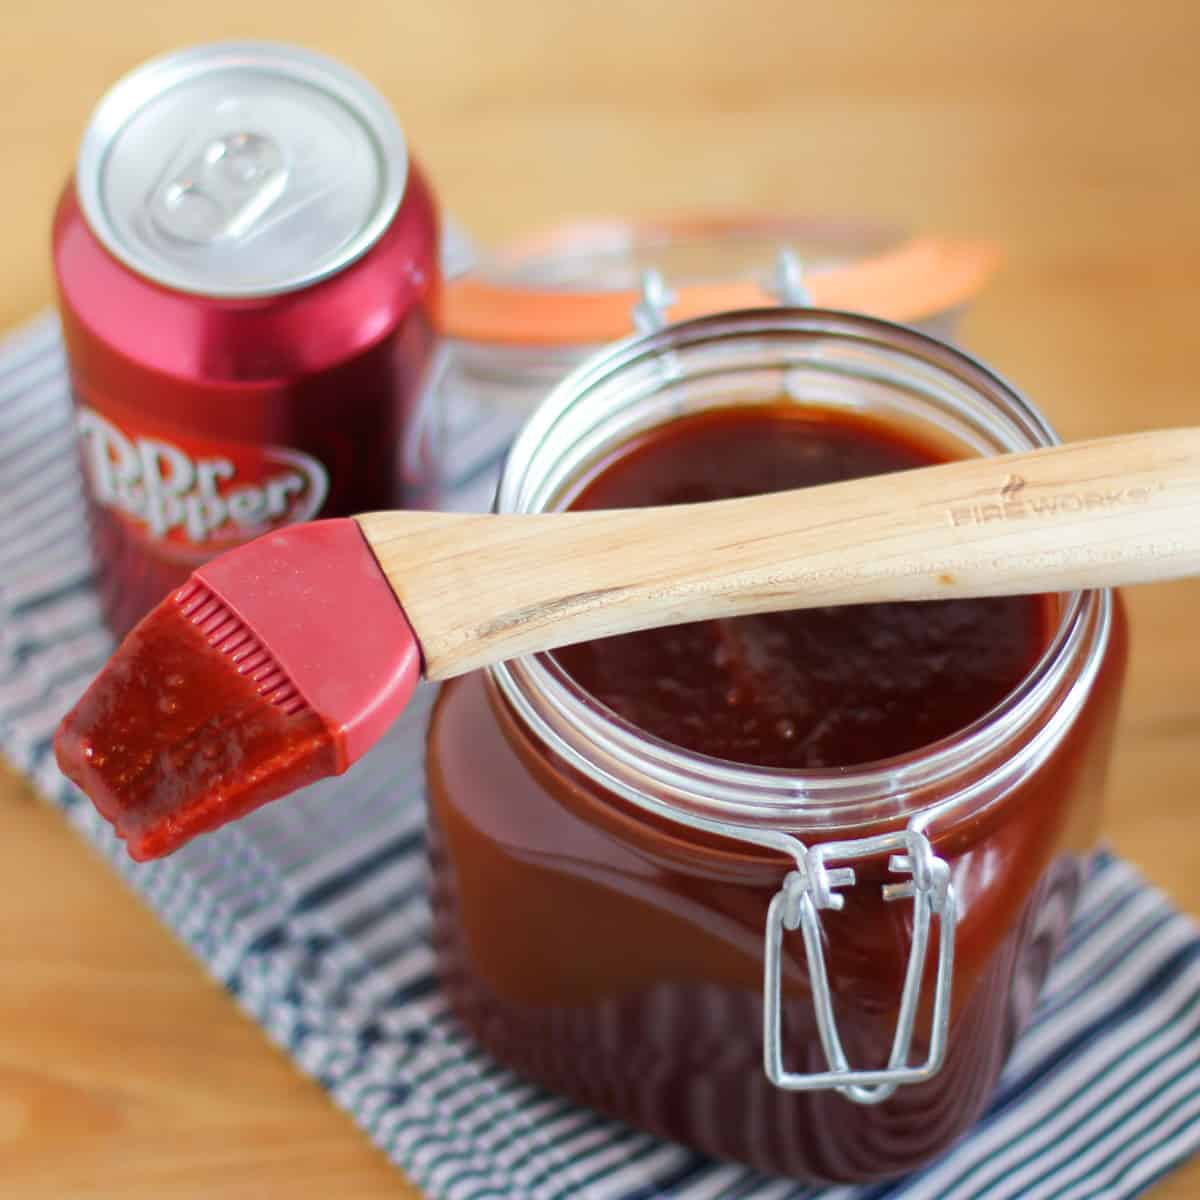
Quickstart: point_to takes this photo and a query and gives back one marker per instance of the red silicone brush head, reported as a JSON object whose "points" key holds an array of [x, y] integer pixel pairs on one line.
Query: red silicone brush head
{"points": [[278, 663]]}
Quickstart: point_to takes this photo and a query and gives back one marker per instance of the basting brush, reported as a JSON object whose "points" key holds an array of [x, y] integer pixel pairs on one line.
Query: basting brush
{"points": [[285, 660]]}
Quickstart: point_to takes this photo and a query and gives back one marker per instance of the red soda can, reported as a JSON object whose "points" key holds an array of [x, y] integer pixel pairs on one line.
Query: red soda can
{"points": [[247, 272]]}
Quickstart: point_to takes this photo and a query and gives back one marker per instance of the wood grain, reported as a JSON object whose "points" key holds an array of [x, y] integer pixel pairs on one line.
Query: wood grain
{"points": [[1066, 131], [481, 588]]}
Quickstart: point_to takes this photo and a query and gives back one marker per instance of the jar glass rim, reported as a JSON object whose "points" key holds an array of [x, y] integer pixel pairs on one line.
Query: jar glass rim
{"points": [[946, 778]]}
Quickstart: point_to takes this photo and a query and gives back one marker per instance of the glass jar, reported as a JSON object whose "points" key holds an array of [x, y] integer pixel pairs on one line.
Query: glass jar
{"points": [[821, 973]]}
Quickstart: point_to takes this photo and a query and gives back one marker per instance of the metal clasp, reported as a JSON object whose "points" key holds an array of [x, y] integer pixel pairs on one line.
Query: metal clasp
{"points": [[650, 312], [812, 887], [655, 297], [788, 283]]}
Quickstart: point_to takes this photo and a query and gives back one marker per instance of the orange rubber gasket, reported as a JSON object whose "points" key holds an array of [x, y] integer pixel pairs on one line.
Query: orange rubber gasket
{"points": [[916, 279]]}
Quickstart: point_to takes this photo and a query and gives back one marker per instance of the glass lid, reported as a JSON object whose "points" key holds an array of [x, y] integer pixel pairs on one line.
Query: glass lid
{"points": [[580, 282]]}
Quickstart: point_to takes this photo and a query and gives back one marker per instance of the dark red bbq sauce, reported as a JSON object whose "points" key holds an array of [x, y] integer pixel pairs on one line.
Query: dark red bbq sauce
{"points": [[817, 688], [171, 740]]}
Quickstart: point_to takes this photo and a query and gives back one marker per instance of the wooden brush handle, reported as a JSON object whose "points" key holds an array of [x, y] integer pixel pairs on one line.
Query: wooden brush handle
{"points": [[481, 588]]}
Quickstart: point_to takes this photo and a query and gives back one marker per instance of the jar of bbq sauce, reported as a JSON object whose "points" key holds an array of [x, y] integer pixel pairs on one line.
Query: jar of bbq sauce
{"points": [[783, 888]]}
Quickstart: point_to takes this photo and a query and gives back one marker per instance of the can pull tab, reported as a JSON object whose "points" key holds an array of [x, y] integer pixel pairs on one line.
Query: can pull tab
{"points": [[812, 887], [219, 189]]}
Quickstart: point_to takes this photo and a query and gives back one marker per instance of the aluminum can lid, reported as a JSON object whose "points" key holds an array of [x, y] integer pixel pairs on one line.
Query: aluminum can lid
{"points": [[241, 169]]}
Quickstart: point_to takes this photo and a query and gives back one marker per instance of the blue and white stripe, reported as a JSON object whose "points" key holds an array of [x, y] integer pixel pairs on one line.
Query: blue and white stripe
{"points": [[314, 915]]}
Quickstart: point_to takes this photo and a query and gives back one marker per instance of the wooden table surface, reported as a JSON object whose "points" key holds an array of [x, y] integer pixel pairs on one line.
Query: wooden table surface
{"points": [[1068, 131]]}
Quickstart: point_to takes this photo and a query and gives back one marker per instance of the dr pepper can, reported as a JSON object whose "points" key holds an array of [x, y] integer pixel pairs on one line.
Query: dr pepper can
{"points": [[246, 261]]}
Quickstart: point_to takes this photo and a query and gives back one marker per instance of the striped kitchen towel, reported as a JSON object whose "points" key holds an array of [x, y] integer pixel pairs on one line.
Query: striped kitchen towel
{"points": [[314, 914]]}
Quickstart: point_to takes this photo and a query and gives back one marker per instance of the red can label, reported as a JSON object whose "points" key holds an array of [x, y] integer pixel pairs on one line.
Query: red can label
{"points": [[190, 499]]}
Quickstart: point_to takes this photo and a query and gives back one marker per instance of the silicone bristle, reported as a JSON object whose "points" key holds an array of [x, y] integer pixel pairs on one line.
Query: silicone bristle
{"points": [[226, 634]]}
